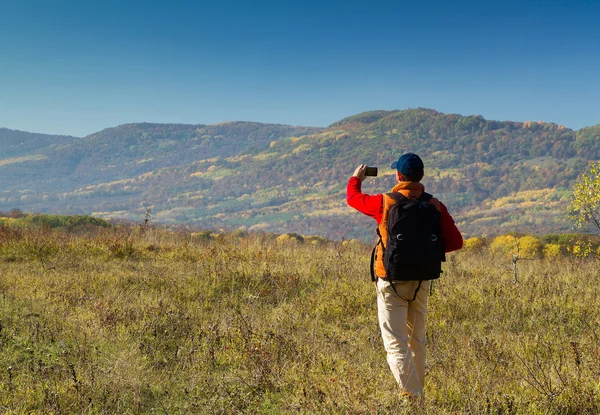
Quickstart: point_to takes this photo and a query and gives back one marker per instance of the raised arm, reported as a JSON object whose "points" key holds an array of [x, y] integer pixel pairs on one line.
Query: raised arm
{"points": [[370, 205]]}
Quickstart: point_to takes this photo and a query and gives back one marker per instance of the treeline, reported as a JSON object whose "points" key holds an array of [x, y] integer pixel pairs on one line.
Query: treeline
{"points": [[487, 140], [532, 247], [522, 245], [14, 143], [16, 218]]}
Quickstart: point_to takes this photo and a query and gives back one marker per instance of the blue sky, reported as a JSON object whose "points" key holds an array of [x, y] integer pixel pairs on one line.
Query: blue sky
{"points": [[76, 67]]}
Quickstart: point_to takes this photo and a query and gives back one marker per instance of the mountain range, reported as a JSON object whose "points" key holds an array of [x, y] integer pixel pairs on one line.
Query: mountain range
{"points": [[494, 176]]}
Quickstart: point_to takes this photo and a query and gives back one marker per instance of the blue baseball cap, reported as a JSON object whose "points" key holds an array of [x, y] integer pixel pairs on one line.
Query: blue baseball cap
{"points": [[409, 164]]}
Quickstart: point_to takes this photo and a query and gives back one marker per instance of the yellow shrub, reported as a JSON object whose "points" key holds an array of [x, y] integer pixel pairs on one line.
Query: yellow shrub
{"points": [[474, 244], [526, 246], [582, 250], [504, 243], [289, 238], [283, 239], [552, 250], [315, 240], [529, 246]]}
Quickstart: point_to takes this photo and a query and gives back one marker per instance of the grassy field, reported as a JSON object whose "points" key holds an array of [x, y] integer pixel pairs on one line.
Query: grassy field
{"points": [[129, 321]]}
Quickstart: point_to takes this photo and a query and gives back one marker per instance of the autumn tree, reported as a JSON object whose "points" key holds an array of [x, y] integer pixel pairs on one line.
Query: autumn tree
{"points": [[584, 209]]}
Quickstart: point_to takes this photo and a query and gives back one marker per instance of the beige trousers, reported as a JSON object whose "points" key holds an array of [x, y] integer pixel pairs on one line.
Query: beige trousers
{"points": [[402, 324]]}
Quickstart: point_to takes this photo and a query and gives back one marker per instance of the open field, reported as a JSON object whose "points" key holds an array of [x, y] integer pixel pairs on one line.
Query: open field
{"points": [[126, 321]]}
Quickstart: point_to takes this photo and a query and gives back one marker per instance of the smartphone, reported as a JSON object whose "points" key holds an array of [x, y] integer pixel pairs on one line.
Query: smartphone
{"points": [[371, 171]]}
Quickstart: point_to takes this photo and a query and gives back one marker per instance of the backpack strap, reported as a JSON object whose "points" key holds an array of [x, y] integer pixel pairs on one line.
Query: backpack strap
{"points": [[425, 197], [373, 276], [406, 299]]}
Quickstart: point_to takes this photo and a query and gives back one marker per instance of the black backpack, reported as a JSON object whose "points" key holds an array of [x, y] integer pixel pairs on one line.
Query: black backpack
{"points": [[414, 249]]}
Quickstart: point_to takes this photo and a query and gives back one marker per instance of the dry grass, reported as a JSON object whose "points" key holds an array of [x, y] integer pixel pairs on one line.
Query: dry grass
{"points": [[133, 322]]}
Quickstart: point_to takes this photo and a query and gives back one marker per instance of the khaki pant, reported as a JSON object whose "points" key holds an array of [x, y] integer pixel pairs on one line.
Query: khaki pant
{"points": [[402, 324]]}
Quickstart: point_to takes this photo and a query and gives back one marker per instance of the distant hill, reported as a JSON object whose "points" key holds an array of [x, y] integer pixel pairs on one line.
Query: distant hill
{"points": [[129, 150], [14, 143], [494, 176]]}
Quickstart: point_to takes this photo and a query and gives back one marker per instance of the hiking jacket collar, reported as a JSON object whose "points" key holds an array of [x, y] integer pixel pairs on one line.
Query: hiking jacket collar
{"points": [[411, 190]]}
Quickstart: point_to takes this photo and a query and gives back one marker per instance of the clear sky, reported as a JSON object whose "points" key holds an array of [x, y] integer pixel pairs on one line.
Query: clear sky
{"points": [[76, 67]]}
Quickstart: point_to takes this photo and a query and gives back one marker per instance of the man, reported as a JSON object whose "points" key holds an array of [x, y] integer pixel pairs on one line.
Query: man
{"points": [[401, 307]]}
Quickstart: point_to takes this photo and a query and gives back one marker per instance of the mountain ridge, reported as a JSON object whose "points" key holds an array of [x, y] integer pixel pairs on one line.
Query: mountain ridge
{"points": [[346, 120], [495, 176]]}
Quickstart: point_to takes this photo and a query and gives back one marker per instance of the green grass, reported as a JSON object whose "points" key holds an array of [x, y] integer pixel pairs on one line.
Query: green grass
{"points": [[132, 322]]}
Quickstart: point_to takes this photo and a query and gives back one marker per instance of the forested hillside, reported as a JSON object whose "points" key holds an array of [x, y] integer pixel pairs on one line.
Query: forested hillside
{"points": [[495, 177], [14, 144]]}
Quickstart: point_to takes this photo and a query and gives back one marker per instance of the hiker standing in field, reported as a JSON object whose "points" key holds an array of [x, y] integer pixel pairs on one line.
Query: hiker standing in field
{"points": [[415, 231]]}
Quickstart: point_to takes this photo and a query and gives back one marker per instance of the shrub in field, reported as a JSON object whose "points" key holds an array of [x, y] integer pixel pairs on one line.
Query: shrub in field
{"points": [[290, 238], [202, 236], [582, 249], [529, 246], [585, 243], [474, 244], [552, 250], [352, 243], [240, 232], [503, 244], [526, 246], [316, 240]]}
